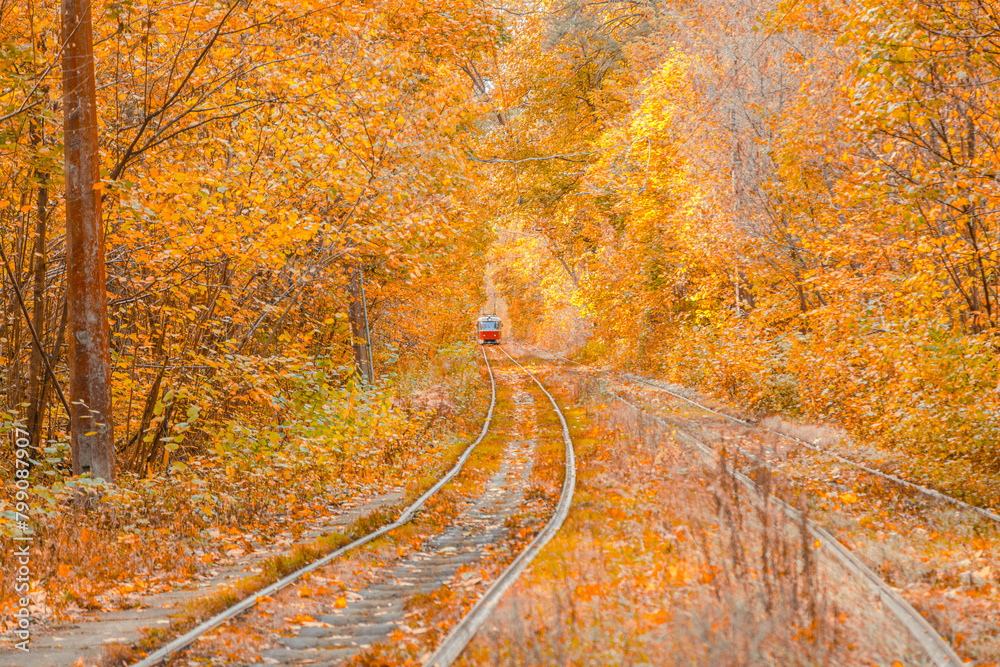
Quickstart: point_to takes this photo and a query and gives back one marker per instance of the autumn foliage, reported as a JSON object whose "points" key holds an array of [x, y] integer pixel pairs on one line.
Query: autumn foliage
{"points": [[278, 179], [254, 157], [789, 204]]}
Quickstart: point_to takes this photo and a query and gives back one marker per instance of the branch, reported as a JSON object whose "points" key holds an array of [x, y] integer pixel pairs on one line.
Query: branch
{"points": [[130, 151], [34, 334], [568, 157]]}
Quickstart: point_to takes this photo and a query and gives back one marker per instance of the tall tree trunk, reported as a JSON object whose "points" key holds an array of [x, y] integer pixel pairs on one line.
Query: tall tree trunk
{"points": [[89, 354], [356, 316], [37, 372]]}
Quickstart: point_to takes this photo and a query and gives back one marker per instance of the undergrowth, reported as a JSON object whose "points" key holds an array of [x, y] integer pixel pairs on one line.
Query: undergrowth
{"points": [[663, 561], [97, 546]]}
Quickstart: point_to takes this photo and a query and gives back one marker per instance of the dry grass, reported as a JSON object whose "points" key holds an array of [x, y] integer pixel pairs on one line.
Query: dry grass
{"points": [[822, 436], [666, 562], [943, 561]]}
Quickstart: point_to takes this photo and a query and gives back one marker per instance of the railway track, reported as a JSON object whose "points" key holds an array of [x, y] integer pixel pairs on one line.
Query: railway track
{"points": [[940, 652], [937, 649], [377, 612], [923, 490]]}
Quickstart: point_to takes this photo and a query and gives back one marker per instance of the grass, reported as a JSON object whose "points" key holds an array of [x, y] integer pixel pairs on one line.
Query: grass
{"points": [[436, 512], [665, 562], [276, 567]]}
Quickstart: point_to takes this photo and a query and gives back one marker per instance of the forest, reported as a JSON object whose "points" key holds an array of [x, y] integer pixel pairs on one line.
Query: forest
{"points": [[245, 244]]}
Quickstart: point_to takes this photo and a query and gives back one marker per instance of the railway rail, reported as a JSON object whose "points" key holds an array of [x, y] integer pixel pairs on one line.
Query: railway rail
{"points": [[940, 652], [923, 490], [466, 629], [441, 556], [930, 493]]}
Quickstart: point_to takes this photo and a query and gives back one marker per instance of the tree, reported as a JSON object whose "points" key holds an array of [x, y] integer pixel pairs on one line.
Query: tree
{"points": [[89, 353]]}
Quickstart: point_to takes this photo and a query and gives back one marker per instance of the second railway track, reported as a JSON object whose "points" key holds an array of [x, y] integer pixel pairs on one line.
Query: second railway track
{"points": [[937, 649], [377, 613]]}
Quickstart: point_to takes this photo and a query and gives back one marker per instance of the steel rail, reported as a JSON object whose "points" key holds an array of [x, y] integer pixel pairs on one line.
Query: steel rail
{"points": [[930, 493], [463, 632], [939, 650], [937, 495], [407, 515]]}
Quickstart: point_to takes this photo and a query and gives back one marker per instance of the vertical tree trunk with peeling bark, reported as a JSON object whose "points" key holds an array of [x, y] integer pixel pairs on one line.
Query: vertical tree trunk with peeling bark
{"points": [[356, 317], [36, 407], [89, 357]]}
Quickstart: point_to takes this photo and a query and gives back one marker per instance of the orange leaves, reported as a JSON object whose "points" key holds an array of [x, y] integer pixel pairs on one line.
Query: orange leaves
{"points": [[305, 591], [585, 592], [656, 618]]}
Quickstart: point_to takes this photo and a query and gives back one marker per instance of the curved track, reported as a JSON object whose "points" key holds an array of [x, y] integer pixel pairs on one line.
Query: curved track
{"points": [[938, 650], [374, 614], [930, 493], [407, 515], [466, 629]]}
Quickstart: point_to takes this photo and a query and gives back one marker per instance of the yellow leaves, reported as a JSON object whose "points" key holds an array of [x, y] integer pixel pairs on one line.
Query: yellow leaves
{"points": [[905, 54], [586, 592], [657, 618], [340, 602], [64, 570], [899, 113]]}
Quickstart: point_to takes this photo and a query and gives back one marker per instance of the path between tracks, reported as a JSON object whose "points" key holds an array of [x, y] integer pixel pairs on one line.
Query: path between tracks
{"points": [[395, 598], [69, 642]]}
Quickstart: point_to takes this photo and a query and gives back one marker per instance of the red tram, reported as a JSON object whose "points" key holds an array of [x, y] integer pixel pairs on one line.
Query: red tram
{"points": [[488, 328]]}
